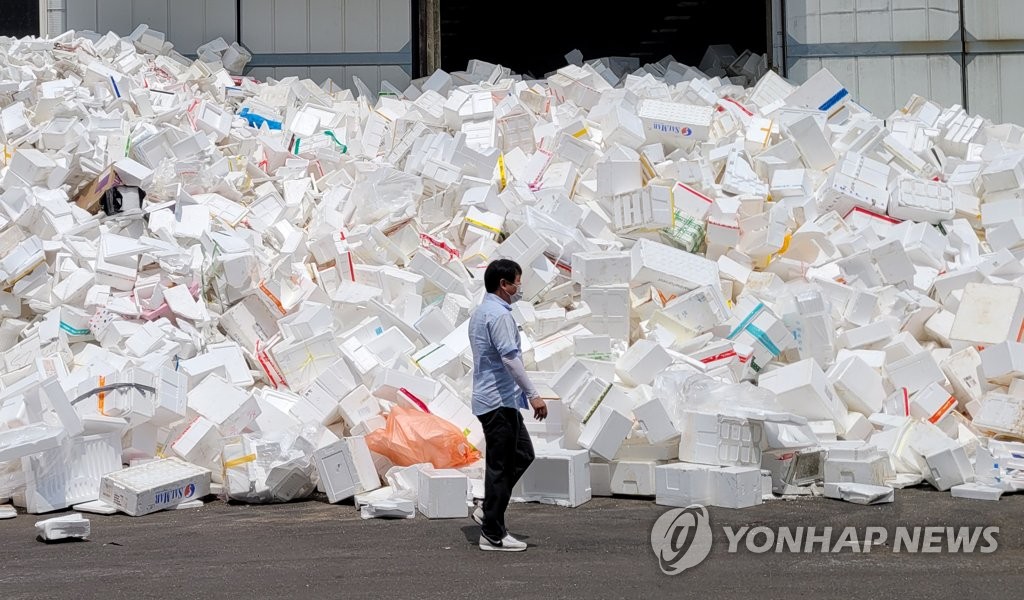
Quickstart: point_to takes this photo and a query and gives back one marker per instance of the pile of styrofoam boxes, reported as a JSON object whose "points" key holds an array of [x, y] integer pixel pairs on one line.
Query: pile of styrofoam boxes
{"points": [[730, 293]]}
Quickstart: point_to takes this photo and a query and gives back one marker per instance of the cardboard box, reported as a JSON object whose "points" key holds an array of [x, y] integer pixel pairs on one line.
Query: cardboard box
{"points": [[89, 198]]}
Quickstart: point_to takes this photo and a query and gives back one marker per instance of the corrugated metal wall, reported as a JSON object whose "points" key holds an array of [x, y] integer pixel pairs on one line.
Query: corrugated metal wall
{"points": [[968, 52], [994, 35], [187, 23], [320, 39], [359, 36]]}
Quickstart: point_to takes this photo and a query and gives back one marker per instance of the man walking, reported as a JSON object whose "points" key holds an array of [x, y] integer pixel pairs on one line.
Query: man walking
{"points": [[500, 389]]}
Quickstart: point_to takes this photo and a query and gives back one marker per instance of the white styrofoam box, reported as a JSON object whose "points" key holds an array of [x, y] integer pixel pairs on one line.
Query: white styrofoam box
{"points": [[70, 474], [1001, 413], [814, 147], [198, 443], [442, 493], [825, 430], [989, 314], [433, 325], [31, 166], [914, 372], [389, 381], [642, 362], [1001, 363], [948, 467], [604, 432], [858, 385], [792, 470], [736, 487], [633, 477], [922, 201], [803, 389], [600, 478], [675, 124], [695, 312], [58, 400], [822, 91], [719, 439], [302, 361], [671, 270], [655, 422], [691, 203], [683, 484], [857, 427], [935, 405], [326, 392], [154, 486], [358, 406], [346, 469], [963, 370], [62, 528], [765, 333], [609, 310], [601, 268], [228, 407], [873, 470], [557, 476]]}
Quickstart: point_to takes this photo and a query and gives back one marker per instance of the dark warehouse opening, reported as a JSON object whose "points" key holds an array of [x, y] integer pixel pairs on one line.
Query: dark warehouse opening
{"points": [[533, 37]]}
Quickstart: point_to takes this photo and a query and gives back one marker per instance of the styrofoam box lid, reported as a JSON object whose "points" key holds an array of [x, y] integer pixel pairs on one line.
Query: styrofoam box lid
{"points": [[156, 474]]}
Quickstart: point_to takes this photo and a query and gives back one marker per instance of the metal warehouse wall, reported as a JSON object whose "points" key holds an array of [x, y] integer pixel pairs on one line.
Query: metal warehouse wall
{"points": [[320, 39], [370, 39], [968, 52]]}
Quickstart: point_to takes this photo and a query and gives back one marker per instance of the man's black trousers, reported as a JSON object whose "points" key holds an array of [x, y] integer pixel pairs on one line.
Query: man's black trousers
{"points": [[509, 453]]}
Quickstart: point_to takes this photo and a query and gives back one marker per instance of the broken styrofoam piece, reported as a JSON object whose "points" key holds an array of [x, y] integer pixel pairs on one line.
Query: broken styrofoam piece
{"points": [[976, 491], [860, 493], [63, 528], [8, 512], [98, 507]]}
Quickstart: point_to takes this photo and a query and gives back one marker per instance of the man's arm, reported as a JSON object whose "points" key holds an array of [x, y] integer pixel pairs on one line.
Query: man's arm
{"points": [[503, 337], [516, 368]]}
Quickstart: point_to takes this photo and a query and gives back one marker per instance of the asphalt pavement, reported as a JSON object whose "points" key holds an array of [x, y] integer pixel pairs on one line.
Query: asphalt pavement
{"points": [[312, 549]]}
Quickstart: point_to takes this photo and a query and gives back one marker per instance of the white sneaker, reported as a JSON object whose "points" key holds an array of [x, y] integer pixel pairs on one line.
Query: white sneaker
{"points": [[507, 544], [478, 515]]}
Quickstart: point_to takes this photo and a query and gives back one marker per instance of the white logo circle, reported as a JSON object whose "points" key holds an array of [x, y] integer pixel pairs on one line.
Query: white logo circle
{"points": [[681, 538]]}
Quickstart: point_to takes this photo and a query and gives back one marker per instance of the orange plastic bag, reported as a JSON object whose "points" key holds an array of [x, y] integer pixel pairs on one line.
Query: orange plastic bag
{"points": [[411, 437]]}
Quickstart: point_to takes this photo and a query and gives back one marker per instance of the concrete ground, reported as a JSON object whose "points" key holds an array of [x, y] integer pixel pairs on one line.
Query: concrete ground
{"points": [[312, 549]]}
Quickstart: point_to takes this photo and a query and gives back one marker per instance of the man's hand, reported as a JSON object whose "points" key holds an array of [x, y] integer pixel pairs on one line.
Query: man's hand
{"points": [[540, 408]]}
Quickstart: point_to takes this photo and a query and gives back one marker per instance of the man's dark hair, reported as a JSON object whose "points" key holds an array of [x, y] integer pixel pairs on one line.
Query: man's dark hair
{"points": [[501, 269]]}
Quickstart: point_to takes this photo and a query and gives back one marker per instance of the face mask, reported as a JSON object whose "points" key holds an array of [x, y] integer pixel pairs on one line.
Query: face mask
{"points": [[516, 297]]}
